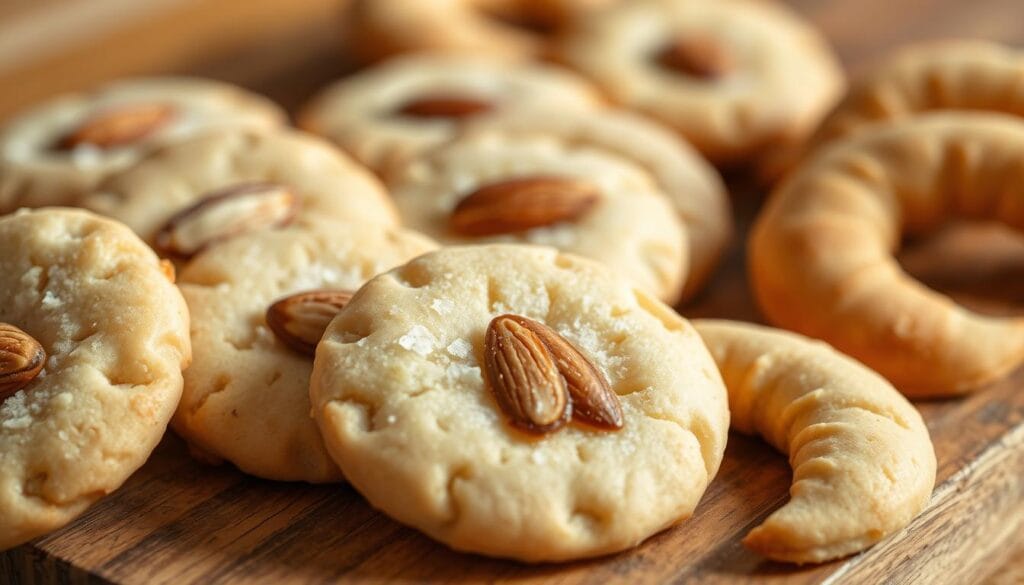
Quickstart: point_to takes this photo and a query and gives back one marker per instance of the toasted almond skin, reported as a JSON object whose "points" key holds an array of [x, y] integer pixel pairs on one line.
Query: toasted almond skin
{"points": [[300, 320], [593, 401], [444, 107], [21, 359], [280, 209], [696, 56], [118, 127], [517, 205], [524, 378]]}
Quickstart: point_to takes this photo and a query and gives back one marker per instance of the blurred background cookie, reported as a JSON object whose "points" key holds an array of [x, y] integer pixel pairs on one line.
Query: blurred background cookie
{"points": [[194, 193], [408, 104], [518, 29], [734, 77], [56, 152]]}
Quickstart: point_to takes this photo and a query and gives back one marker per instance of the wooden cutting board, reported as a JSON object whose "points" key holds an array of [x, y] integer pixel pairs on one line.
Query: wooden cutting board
{"points": [[178, 521]]}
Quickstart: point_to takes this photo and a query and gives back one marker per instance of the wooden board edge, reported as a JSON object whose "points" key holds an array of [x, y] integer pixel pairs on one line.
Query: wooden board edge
{"points": [[28, 565], [964, 532]]}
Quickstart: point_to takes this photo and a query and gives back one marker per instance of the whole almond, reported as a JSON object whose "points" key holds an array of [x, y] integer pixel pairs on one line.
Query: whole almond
{"points": [[21, 359], [300, 320], [697, 56], [444, 107], [119, 126], [224, 214], [593, 401], [524, 378], [516, 205]]}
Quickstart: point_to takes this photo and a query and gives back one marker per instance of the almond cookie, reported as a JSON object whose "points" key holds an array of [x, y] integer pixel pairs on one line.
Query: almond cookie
{"points": [[863, 463], [93, 338], [550, 191], [204, 190], [253, 309], [735, 77], [601, 421], [821, 253], [509, 29], [413, 103], [693, 186], [56, 152]]}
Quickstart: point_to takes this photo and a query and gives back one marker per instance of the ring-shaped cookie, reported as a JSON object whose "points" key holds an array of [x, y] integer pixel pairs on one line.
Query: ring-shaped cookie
{"points": [[400, 395], [735, 77], [412, 103], [517, 29], [113, 330], [821, 258], [58, 151], [863, 463], [692, 185]]}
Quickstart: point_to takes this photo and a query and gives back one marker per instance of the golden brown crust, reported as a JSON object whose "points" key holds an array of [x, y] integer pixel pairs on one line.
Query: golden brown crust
{"points": [[821, 252]]}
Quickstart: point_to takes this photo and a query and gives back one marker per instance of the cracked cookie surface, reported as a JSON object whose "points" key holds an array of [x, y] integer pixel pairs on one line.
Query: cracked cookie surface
{"points": [[115, 330], [246, 395], [400, 398]]}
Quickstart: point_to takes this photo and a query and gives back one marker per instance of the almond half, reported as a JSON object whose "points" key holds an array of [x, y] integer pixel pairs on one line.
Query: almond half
{"points": [[444, 107], [516, 205], [593, 401], [118, 126], [300, 320], [21, 359], [524, 378], [696, 56], [224, 214]]}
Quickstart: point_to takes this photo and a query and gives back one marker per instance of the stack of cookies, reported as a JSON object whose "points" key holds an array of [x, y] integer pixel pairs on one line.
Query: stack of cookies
{"points": [[454, 287]]}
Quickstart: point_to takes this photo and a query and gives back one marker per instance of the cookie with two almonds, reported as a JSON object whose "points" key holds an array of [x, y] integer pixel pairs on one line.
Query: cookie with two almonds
{"points": [[519, 402], [93, 340], [260, 303]]}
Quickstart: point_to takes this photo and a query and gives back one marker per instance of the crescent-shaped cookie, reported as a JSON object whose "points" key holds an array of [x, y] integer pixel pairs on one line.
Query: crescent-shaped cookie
{"points": [[919, 78], [821, 252], [863, 463], [943, 75]]}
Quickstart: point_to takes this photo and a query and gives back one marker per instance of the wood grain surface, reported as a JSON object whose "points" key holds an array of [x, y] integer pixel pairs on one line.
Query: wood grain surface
{"points": [[178, 521]]}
